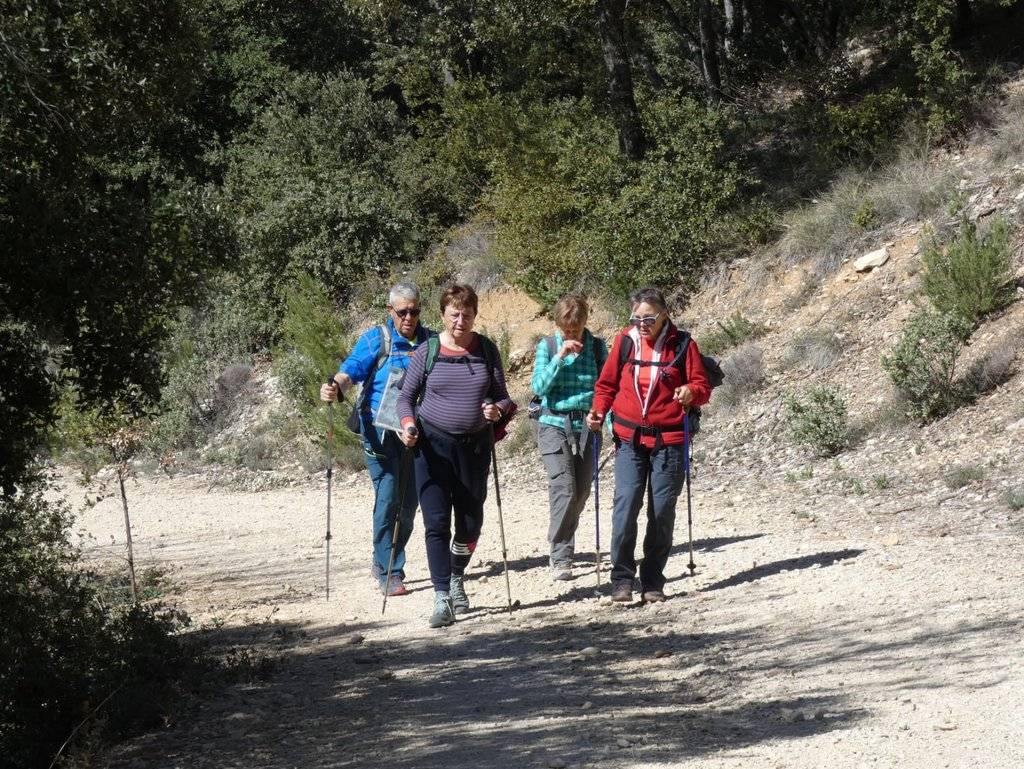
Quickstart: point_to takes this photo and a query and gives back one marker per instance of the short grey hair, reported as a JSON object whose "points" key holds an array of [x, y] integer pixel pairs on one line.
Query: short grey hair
{"points": [[408, 291], [650, 296]]}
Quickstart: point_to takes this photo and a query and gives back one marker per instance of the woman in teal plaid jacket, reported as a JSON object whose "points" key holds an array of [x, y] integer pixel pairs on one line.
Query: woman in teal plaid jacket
{"points": [[566, 367]]}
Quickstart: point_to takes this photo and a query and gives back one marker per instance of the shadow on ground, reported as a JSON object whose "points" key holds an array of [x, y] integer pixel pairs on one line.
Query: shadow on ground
{"points": [[501, 693], [787, 564]]}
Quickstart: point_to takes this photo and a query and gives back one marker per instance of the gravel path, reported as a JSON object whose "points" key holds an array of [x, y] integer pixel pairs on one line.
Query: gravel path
{"points": [[797, 644]]}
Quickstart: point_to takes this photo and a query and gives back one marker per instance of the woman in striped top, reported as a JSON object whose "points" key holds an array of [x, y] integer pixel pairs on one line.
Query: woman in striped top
{"points": [[453, 397], [564, 373]]}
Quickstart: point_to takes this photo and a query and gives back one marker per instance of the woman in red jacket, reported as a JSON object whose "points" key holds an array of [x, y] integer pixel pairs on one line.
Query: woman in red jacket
{"points": [[648, 395]]}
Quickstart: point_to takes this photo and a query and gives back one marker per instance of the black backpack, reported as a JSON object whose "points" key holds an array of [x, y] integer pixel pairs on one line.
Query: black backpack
{"points": [[711, 367]]}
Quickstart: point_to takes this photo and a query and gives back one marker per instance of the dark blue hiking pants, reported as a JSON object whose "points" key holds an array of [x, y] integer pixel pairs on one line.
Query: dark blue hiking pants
{"points": [[451, 478], [633, 465]]}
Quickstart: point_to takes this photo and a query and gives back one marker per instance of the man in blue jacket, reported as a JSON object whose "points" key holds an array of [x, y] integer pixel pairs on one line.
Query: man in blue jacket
{"points": [[383, 353]]}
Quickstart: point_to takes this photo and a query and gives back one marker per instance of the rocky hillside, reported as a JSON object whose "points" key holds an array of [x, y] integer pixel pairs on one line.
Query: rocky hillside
{"points": [[817, 314]]}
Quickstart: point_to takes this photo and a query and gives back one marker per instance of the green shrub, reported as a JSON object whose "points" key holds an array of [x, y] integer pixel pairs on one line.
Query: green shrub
{"points": [[819, 421], [961, 475], [881, 481], [816, 348], [970, 277], [991, 370], [64, 650], [28, 399], [744, 374], [292, 370], [573, 215], [313, 342], [922, 366], [866, 129], [732, 332], [866, 215], [228, 327], [315, 188], [1014, 498]]}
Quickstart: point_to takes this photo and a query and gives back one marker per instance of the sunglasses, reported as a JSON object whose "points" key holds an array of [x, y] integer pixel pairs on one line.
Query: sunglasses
{"points": [[413, 311], [647, 320]]}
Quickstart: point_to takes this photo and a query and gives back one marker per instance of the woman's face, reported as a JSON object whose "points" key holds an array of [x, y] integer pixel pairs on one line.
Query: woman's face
{"points": [[649, 319], [458, 321], [572, 332]]}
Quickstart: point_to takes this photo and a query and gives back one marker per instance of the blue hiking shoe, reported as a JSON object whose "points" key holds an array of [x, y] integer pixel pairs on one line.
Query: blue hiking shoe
{"points": [[457, 592], [444, 612]]}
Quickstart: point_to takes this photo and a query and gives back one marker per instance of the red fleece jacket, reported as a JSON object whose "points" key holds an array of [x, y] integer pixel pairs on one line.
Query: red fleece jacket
{"points": [[633, 394]]}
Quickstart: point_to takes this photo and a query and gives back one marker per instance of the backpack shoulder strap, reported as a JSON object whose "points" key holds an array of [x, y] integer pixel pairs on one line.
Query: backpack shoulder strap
{"points": [[682, 346], [385, 344], [596, 347], [625, 351], [552, 345], [491, 354], [433, 349]]}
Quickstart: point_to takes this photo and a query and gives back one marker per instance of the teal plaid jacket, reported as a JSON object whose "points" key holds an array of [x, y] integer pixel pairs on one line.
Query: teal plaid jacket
{"points": [[567, 384]]}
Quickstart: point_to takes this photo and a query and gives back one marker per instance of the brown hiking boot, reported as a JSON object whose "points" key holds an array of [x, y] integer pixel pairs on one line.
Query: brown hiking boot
{"points": [[622, 592], [653, 596]]}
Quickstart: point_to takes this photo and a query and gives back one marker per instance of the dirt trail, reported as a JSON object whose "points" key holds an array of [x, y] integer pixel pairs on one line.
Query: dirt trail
{"points": [[794, 646]]}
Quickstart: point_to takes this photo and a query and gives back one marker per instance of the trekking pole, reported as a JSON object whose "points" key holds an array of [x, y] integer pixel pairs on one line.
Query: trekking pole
{"points": [[497, 499], [686, 471], [596, 450], [330, 472], [402, 480]]}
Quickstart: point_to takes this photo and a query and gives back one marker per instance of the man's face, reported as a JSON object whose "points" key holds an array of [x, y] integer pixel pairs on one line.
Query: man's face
{"points": [[406, 314]]}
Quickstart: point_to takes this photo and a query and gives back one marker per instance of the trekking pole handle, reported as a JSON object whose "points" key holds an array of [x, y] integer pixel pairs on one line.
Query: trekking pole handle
{"points": [[332, 383], [412, 431]]}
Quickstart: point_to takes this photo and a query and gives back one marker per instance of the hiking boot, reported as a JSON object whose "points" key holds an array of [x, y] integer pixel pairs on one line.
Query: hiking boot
{"points": [[393, 586], [376, 571], [444, 612], [457, 591], [653, 596], [622, 592], [561, 572]]}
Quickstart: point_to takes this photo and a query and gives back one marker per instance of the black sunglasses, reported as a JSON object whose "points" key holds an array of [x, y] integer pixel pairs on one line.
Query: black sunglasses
{"points": [[414, 311]]}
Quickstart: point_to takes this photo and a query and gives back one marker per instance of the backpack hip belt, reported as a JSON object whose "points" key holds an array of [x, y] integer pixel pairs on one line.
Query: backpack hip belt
{"points": [[575, 440], [646, 431]]}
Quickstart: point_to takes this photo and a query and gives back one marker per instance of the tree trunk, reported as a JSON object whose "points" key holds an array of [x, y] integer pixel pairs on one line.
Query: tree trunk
{"points": [[611, 22], [734, 22], [128, 536], [709, 50]]}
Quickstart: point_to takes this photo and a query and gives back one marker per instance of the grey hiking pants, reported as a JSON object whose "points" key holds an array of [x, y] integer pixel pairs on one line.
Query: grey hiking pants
{"points": [[569, 477]]}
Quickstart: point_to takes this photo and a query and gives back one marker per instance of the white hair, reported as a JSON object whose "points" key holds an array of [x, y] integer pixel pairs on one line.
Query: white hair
{"points": [[408, 291]]}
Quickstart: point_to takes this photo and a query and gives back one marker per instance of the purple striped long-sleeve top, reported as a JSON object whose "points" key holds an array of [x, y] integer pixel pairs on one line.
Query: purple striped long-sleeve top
{"points": [[455, 390]]}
